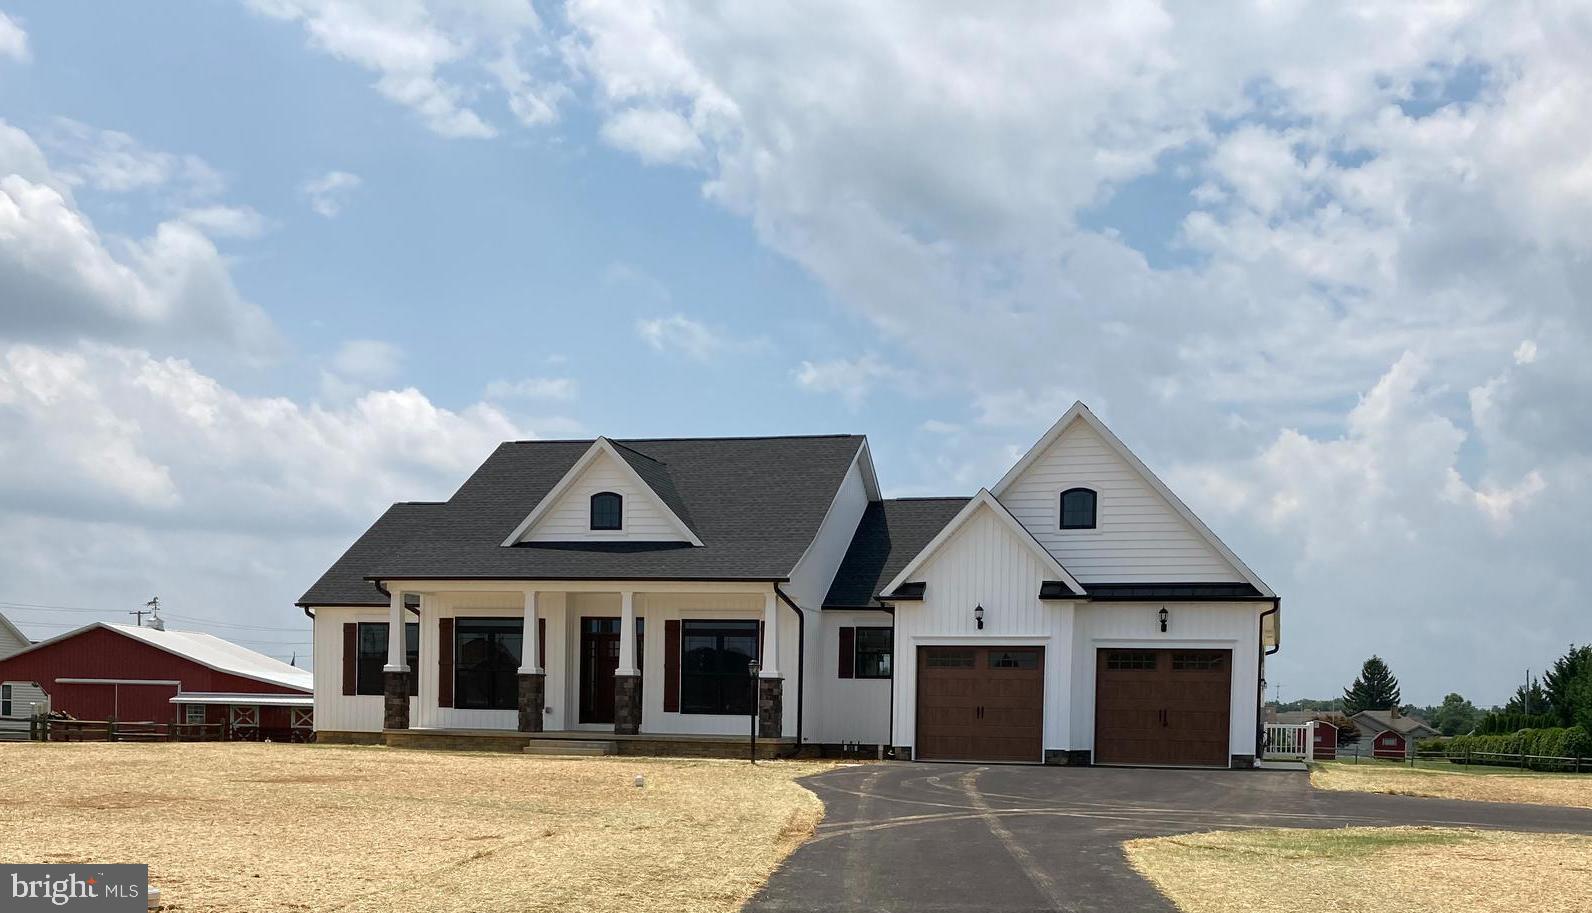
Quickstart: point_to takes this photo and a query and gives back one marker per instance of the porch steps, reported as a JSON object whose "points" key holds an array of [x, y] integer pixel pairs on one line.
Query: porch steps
{"points": [[578, 748]]}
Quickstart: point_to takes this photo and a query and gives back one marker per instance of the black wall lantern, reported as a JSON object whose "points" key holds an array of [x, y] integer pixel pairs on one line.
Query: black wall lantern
{"points": [[1162, 614], [978, 616]]}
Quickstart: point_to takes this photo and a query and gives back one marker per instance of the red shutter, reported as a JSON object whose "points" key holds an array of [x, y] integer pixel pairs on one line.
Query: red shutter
{"points": [[848, 652], [541, 644], [444, 662], [350, 657], [671, 667]]}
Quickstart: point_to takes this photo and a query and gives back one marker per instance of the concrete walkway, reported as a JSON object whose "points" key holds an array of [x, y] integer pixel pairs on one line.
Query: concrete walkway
{"points": [[950, 837]]}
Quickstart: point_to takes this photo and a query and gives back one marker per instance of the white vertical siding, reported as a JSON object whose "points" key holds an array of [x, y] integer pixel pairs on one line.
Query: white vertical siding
{"points": [[849, 709], [1211, 626], [985, 563], [335, 711], [424, 712], [569, 519], [1140, 537]]}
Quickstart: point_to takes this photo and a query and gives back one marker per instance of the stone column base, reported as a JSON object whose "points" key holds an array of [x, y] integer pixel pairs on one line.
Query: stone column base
{"points": [[395, 697], [533, 691], [627, 704], [1243, 762], [770, 707], [1067, 757]]}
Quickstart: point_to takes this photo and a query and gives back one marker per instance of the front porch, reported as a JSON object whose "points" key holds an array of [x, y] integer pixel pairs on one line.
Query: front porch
{"points": [[549, 742], [655, 667]]}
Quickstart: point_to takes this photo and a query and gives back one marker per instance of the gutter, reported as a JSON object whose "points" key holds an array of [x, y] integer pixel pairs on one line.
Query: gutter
{"points": [[1260, 680], [801, 663]]}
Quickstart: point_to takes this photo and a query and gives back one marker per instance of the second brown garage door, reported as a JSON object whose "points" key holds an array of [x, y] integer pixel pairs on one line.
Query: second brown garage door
{"points": [[1162, 706], [981, 704]]}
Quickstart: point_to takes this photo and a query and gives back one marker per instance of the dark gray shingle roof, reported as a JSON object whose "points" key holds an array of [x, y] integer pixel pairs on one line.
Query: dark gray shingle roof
{"points": [[756, 504], [890, 534]]}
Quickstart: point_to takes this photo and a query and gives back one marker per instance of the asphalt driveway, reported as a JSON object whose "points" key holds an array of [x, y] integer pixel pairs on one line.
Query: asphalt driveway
{"points": [[954, 837]]}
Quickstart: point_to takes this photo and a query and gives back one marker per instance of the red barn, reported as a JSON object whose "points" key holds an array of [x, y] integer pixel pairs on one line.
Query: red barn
{"points": [[132, 674]]}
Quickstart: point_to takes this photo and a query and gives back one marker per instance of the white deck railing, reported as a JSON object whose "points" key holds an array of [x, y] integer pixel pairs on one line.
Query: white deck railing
{"points": [[1291, 741]]}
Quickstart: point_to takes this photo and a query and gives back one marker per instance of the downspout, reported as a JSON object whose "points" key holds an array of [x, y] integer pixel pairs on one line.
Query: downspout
{"points": [[801, 664], [1260, 697], [894, 665]]}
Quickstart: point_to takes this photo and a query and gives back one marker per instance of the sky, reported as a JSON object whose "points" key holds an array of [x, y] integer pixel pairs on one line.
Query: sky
{"points": [[267, 267]]}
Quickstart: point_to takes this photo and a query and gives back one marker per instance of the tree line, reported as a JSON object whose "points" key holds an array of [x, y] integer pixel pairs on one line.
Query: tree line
{"points": [[1562, 696]]}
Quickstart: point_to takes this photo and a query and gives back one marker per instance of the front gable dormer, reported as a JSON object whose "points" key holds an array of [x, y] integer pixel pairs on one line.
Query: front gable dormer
{"points": [[611, 494], [1104, 515]]}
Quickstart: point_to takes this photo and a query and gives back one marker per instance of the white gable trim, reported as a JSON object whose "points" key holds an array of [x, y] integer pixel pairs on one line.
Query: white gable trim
{"points": [[1080, 412], [21, 638], [598, 448], [984, 499]]}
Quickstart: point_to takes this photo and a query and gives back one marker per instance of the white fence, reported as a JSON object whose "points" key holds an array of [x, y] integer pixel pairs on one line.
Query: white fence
{"points": [[1291, 741]]}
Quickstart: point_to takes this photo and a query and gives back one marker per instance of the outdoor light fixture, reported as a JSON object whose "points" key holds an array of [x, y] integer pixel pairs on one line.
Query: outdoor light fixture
{"points": [[978, 616], [1163, 619]]}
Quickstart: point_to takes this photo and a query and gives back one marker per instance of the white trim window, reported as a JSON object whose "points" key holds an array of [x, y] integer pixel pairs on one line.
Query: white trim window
{"points": [[1078, 509], [193, 714]]}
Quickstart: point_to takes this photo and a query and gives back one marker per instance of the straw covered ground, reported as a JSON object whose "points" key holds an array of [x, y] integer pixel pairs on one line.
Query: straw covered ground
{"points": [[1369, 870], [256, 827], [1479, 784]]}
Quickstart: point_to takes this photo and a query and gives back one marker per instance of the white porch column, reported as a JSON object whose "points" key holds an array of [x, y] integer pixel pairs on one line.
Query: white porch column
{"points": [[397, 658], [627, 634], [770, 658], [529, 648]]}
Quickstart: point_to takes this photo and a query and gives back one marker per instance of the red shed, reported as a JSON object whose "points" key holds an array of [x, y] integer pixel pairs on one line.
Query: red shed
{"points": [[1326, 741], [1388, 744], [133, 674]]}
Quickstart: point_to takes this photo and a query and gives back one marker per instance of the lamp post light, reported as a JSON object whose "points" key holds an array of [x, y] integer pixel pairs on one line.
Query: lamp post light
{"points": [[978, 616], [1162, 614], [752, 668]]}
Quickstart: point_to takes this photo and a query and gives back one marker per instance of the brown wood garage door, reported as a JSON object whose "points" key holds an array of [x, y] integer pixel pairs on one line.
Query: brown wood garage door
{"points": [[1162, 706], [981, 704]]}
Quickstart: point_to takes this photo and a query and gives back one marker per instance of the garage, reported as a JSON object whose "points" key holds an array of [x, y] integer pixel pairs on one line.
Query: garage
{"points": [[980, 704], [1163, 707]]}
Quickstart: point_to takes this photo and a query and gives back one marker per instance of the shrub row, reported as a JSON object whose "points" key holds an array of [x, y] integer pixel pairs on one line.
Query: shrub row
{"points": [[1508, 723], [1572, 742]]}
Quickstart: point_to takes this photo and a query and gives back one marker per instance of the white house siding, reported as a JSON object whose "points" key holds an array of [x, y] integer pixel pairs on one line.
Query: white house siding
{"points": [[1210, 626], [849, 709], [335, 711], [569, 519], [808, 585], [11, 640], [985, 563], [1140, 538], [563, 610], [25, 698]]}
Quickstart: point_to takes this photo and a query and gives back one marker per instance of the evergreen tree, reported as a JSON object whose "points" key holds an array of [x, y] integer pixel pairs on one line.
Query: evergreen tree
{"points": [[1557, 681], [1375, 689], [1530, 699]]}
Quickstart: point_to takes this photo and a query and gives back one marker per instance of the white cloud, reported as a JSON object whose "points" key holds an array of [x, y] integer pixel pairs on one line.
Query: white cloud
{"points": [[410, 45], [358, 366], [540, 388], [1526, 352], [656, 135], [13, 40], [115, 162], [226, 221], [678, 333], [328, 193], [850, 379], [63, 280]]}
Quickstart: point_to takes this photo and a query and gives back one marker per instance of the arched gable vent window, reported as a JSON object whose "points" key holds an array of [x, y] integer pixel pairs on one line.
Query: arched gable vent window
{"points": [[1078, 508], [607, 510]]}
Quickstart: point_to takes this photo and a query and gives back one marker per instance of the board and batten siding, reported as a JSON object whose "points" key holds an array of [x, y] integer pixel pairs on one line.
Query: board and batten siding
{"points": [[569, 518], [335, 711], [849, 709], [1139, 537], [985, 563], [1231, 626]]}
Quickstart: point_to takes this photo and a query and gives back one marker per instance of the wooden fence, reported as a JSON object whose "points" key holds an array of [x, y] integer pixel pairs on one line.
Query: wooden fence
{"points": [[41, 729]]}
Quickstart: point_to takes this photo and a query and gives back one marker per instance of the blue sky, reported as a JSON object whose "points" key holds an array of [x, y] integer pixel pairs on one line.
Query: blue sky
{"points": [[270, 265]]}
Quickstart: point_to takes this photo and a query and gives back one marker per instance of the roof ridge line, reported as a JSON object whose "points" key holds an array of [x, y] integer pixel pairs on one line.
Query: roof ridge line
{"points": [[652, 440]]}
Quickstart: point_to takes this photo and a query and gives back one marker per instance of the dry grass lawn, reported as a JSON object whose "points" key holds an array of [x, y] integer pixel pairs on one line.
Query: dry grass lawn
{"points": [[257, 827], [1478, 784], [1341, 871]]}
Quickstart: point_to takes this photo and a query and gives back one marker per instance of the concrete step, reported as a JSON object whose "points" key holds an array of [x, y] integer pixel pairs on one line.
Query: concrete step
{"points": [[579, 748]]}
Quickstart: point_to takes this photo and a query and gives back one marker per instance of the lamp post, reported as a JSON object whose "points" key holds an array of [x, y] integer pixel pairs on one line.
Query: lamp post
{"points": [[752, 668]]}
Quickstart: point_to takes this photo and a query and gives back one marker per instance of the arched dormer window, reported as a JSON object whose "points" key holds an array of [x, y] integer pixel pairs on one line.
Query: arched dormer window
{"points": [[1078, 508], [607, 511]]}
